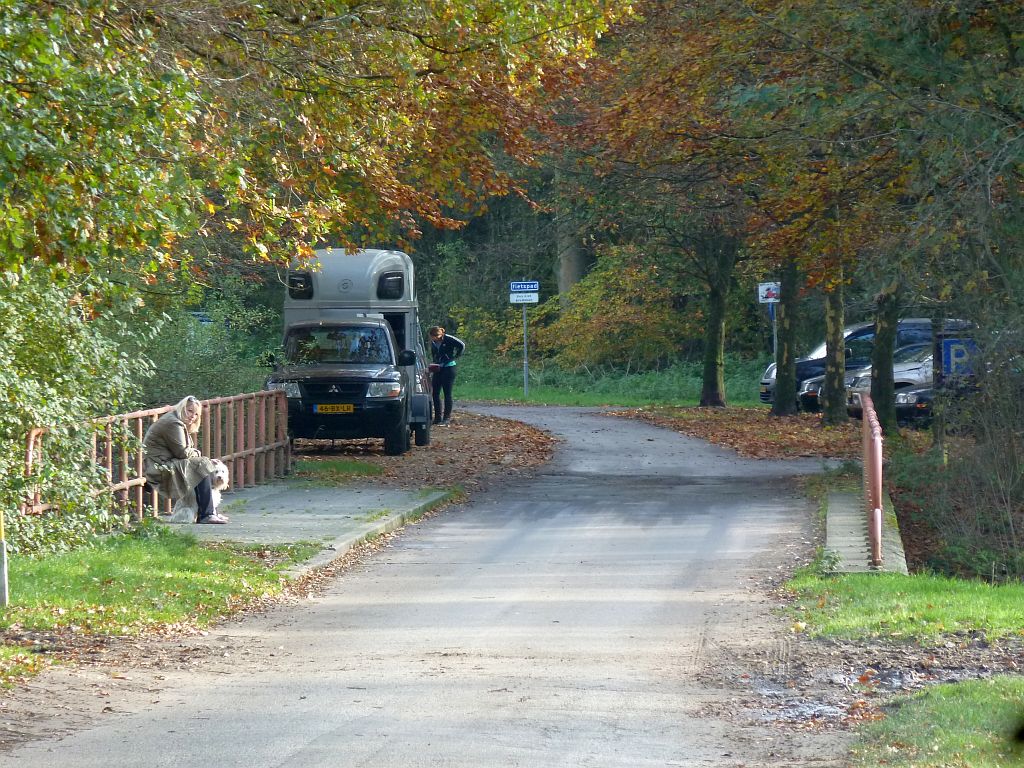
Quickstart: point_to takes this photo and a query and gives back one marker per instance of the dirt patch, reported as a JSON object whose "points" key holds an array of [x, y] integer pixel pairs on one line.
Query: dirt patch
{"points": [[473, 452]]}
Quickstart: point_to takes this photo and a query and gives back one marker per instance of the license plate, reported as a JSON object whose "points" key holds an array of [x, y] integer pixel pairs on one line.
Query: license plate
{"points": [[764, 389], [334, 408]]}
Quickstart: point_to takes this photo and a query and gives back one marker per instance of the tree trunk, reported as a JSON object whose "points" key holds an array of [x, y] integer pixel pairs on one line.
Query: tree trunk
{"points": [[572, 261], [721, 260], [887, 312], [572, 258], [784, 403], [834, 391], [712, 391]]}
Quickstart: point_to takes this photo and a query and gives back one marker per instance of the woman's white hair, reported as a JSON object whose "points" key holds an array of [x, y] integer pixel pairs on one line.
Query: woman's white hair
{"points": [[179, 409]]}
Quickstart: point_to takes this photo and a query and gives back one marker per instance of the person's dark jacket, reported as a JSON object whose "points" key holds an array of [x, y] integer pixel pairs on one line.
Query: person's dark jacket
{"points": [[448, 350]]}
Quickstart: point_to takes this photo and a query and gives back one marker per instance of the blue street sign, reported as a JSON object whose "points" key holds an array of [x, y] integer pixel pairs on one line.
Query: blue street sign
{"points": [[526, 285]]}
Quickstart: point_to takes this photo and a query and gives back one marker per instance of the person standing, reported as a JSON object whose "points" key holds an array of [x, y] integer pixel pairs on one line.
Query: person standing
{"points": [[175, 466], [445, 349]]}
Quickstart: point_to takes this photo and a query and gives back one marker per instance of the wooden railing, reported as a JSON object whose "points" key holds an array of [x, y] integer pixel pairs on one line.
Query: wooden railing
{"points": [[247, 432], [871, 437]]}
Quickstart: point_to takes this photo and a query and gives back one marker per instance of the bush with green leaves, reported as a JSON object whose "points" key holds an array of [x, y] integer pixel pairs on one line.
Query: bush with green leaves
{"points": [[60, 366], [213, 352]]}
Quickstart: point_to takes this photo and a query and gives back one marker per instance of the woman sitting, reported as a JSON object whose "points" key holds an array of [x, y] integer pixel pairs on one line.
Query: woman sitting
{"points": [[175, 466]]}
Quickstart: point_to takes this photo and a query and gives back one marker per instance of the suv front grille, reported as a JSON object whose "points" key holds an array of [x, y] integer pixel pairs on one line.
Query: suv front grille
{"points": [[325, 391]]}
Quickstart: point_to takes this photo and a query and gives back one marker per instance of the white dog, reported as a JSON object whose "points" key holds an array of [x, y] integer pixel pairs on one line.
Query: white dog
{"points": [[187, 511], [218, 481]]}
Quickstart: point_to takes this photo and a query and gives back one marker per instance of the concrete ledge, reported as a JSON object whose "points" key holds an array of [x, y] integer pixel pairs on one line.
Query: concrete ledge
{"points": [[846, 536]]}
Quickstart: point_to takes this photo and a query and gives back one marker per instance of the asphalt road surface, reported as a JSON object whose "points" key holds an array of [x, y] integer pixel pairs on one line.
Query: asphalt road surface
{"points": [[575, 619]]}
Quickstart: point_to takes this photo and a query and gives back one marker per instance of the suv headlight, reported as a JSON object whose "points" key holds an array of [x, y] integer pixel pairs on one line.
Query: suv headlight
{"points": [[290, 388], [769, 372], [906, 398], [385, 389], [809, 386]]}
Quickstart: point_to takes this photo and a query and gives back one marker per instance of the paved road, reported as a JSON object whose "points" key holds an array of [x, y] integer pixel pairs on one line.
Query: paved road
{"points": [[568, 621]]}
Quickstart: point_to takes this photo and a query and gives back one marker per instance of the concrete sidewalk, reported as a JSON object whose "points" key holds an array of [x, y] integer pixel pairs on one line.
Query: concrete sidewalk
{"points": [[339, 517]]}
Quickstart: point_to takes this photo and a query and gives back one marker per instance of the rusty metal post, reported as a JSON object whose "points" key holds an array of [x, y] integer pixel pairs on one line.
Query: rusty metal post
{"points": [[140, 509], [250, 438], [872, 459], [261, 437], [216, 414], [204, 427]]}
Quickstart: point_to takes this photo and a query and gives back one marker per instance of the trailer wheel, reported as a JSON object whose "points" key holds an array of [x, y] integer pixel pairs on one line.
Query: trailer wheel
{"points": [[421, 432]]}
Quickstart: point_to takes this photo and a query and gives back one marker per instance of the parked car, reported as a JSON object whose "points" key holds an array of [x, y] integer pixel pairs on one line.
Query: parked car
{"points": [[348, 379], [809, 393], [914, 405], [859, 339], [911, 367]]}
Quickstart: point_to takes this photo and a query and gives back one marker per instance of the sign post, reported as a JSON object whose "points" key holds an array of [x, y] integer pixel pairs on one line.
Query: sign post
{"points": [[768, 293], [524, 292]]}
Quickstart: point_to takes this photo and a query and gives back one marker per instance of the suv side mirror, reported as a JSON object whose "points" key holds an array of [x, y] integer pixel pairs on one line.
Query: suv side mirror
{"points": [[406, 357]]}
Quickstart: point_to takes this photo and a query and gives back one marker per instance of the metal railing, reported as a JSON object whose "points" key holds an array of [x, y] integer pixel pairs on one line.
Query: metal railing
{"points": [[247, 432], [871, 438]]}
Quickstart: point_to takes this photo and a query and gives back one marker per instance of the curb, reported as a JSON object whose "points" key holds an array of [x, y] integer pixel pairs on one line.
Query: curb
{"points": [[847, 541]]}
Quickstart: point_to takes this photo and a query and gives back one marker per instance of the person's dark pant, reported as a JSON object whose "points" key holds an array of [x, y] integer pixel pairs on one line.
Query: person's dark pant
{"points": [[204, 498], [442, 381]]}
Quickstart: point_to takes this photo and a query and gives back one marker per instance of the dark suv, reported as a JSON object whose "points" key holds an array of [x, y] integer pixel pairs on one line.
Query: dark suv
{"points": [[859, 340], [347, 380]]}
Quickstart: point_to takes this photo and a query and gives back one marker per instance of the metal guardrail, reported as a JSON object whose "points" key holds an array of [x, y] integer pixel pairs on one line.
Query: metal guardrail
{"points": [[247, 432], [871, 438]]}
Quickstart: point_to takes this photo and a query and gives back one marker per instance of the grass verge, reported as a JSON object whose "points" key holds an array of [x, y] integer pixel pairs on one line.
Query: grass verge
{"points": [[920, 607], [973, 724], [132, 584], [335, 470], [680, 384]]}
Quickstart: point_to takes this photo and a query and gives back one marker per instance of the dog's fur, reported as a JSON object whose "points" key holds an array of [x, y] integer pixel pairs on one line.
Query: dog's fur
{"points": [[218, 481], [185, 509]]}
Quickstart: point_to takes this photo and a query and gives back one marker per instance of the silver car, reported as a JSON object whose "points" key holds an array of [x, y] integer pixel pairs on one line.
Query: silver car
{"points": [[858, 340], [911, 367]]}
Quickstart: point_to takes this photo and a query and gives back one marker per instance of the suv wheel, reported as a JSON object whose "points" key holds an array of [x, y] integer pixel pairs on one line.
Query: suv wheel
{"points": [[396, 442]]}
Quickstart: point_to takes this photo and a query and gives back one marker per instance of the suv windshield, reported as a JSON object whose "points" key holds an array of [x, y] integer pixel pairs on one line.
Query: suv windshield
{"points": [[337, 344]]}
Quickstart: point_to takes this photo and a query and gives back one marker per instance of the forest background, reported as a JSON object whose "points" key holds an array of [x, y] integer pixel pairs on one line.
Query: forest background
{"points": [[162, 162]]}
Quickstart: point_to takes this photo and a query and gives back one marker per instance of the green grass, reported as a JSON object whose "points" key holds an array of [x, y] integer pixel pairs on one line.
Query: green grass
{"points": [[335, 470], [126, 585], [679, 384], [963, 725], [16, 662], [918, 607]]}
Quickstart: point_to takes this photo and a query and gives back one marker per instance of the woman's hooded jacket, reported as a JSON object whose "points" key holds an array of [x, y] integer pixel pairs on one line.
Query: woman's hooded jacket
{"points": [[172, 461]]}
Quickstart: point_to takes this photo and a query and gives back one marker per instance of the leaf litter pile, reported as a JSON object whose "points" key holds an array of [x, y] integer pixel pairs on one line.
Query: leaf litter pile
{"points": [[755, 434], [472, 452]]}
